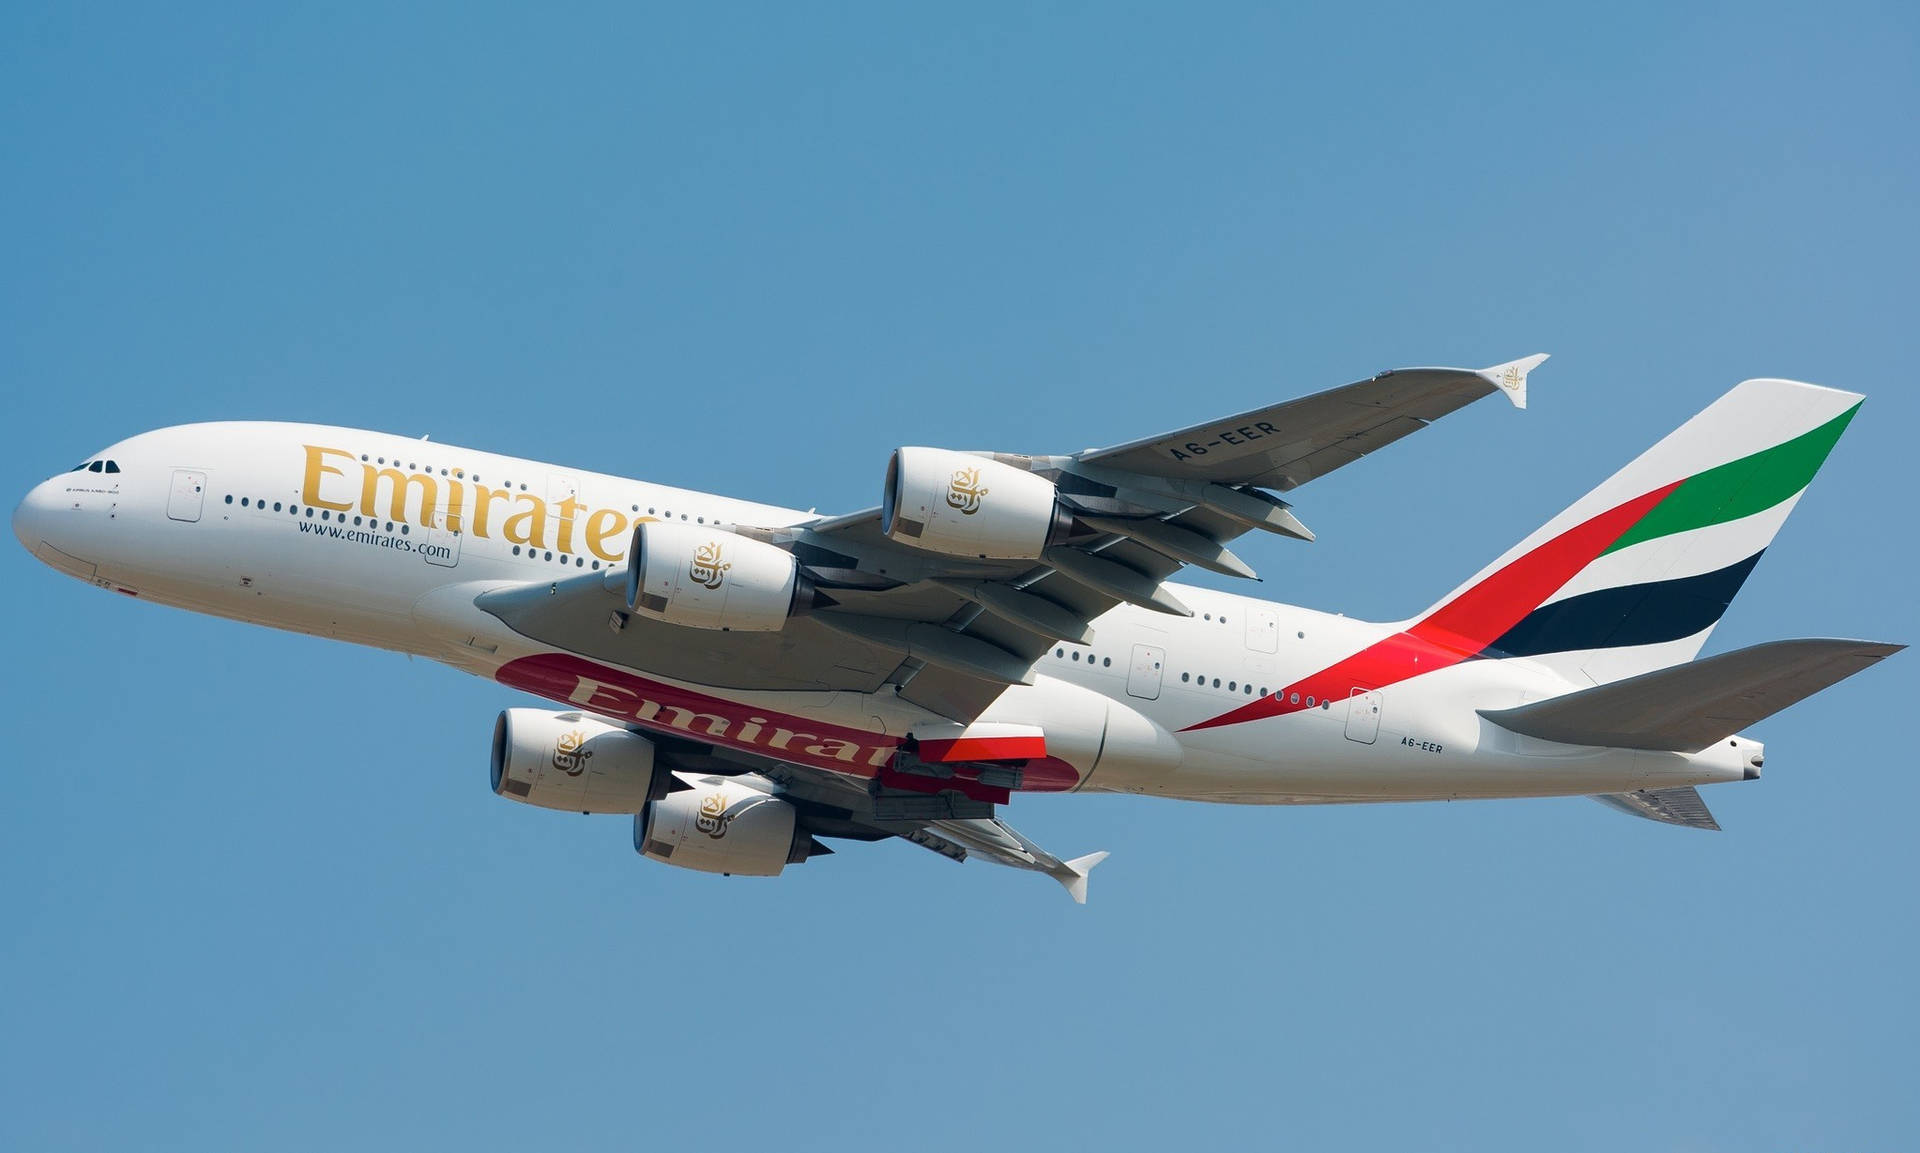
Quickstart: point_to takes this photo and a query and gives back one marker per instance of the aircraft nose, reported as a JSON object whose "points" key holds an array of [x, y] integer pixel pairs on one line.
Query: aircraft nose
{"points": [[31, 515]]}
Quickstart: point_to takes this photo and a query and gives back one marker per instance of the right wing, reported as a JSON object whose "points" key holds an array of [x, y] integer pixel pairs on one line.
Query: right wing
{"points": [[1286, 445], [953, 632]]}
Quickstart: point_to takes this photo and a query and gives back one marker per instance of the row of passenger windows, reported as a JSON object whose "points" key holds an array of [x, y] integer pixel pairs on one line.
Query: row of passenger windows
{"points": [[96, 466], [325, 514], [460, 473], [668, 515], [1199, 680], [537, 554], [374, 523], [477, 479]]}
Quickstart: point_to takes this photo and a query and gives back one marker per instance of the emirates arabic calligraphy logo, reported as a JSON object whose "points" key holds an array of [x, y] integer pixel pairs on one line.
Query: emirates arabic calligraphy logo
{"points": [[965, 490], [713, 819], [570, 753], [707, 568], [1513, 378]]}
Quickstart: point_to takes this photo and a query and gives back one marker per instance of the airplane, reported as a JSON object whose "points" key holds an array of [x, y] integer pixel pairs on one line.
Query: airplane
{"points": [[748, 682]]}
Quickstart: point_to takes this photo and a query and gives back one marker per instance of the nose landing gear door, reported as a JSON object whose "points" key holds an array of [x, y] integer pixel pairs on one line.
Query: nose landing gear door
{"points": [[189, 490]]}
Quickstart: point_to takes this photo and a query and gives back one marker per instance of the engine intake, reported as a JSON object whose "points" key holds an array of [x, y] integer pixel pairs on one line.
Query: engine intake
{"points": [[572, 762], [723, 826], [970, 506], [704, 578]]}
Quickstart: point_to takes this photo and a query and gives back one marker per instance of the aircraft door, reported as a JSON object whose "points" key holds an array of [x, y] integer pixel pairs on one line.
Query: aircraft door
{"points": [[1263, 631], [189, 490], [1143, 676], [1363, 716], [442, 546]]}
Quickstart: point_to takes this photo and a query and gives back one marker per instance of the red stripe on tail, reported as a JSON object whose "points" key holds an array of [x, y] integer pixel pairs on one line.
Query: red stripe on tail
{"points": [[1463, 627]]}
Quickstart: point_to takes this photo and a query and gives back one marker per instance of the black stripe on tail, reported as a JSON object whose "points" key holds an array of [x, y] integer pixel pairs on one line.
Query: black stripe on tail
{"points": [[1643, 614]]}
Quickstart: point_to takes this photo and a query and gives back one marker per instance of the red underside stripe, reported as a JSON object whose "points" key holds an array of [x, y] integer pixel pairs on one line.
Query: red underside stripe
{"points": [[1461, 628], [1022, 748]]}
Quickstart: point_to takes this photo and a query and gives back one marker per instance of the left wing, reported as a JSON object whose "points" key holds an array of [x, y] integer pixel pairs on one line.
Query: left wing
{"points": [[838, 807], [953, 625]]}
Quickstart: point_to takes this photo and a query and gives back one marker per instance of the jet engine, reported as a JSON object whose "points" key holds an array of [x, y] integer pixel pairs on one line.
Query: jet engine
{"points": [[572, 762], [969, 506], [704, 578], [722, 826]]}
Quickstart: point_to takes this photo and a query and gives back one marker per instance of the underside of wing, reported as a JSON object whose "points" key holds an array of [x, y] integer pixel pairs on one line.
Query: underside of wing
{"points": [[833, 806]]}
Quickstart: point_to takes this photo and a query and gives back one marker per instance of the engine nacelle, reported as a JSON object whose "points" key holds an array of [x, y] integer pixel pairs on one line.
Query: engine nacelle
{"points": [[572, 762], [972, 506], [722, 826], [703, 578]]}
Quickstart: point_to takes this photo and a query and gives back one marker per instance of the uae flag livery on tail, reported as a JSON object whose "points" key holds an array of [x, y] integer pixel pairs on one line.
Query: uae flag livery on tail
{"points": [[1634, 575]]}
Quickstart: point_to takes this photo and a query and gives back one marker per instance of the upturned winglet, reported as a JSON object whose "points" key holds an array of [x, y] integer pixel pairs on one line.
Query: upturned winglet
{"points": [[1073, 875], [1511, 377]]}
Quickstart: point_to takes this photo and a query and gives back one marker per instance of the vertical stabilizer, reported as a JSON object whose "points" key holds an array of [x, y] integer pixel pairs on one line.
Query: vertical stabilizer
{"points": [[1635, 575]]}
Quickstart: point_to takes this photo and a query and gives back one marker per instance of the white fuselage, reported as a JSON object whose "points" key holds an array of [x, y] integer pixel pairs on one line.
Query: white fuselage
{"points": [[297, 527]]}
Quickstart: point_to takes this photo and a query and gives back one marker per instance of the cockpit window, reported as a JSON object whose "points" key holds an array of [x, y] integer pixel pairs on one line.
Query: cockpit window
{"points": [[81, 467], [113, 466], [97, 466]]}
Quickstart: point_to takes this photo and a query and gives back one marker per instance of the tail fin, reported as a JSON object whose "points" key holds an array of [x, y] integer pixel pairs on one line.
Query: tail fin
{"points": [[1635, 575]]}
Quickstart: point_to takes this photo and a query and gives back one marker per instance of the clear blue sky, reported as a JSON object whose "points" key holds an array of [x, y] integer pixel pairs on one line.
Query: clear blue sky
{"points": [[257, 894]]}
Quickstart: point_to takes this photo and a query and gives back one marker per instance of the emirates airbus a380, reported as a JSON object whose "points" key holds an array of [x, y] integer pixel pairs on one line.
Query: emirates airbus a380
{"points": [[747, 681]]}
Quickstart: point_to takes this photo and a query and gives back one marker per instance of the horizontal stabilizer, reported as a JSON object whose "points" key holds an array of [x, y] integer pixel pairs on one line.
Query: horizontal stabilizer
{"points": [[1668, 806], [1688, 707]]}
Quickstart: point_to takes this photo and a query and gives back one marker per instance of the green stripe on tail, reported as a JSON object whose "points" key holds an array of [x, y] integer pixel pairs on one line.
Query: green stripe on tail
{"points": [[1739, 488]]}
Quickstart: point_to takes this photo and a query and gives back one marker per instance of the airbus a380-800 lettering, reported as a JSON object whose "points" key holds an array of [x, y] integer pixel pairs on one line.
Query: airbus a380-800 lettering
{"points": [[749, 681]]}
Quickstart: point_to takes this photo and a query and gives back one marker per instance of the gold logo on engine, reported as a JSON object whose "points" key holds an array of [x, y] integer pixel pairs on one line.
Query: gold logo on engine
{"points": [[713, 819], [708, 569], [965, 490], [570, 754]]}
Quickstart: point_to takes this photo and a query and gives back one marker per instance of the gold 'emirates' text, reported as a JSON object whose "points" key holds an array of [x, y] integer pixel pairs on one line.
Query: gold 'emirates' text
{"points": [[520, 517]]}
